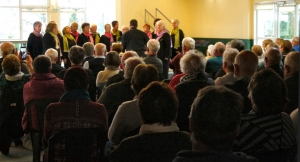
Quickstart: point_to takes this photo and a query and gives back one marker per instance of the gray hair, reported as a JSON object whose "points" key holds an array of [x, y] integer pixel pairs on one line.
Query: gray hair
{"points": [[89, 48], [76, 54], [175, 20], [161, 23], [51, 53], [153, 45], [130, 65], [192, 62], [296, 39], [238, 44], [36, 23], [229, 56], [188, 43]]}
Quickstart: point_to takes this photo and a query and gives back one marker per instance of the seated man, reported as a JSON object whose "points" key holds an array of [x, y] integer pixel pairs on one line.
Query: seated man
{"points": [[75, 110], [96, 64], [159, 138], [56, 68], [152, 48], [214, 123]]}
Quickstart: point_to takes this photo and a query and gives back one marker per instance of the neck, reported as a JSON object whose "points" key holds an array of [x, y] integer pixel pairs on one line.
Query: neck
{"points": [[72, 64]]}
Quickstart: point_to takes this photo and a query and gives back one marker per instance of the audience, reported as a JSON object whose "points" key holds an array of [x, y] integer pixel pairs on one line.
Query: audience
{"points": [[294, 116], [259, 53], [214, 123], [153, 47], [159, 138], [192, 64], [273, 61], [115, 94], [96, 64], [75, 110], [89, 52], [266, 129], [214, 64], [228, 61], [76, 55], [53, 55], [245, 65], [11, 102], [295, 43], [265, 43], [291, 79], [237, 44]]}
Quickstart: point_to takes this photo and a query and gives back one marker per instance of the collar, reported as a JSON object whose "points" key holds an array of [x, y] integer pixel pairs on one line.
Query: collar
{"points": [[42, 76], [158, 128], [99, 57], [14, 77]]}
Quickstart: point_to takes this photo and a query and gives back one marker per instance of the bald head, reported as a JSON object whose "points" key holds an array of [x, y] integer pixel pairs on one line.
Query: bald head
{"points": [[291, 64], [219, 49], [7, 48], [100, 49], [245, 63], [272, 57], [127, 55]]}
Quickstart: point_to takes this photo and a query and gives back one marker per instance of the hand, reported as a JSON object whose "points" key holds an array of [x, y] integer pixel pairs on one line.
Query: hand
{"points": [[28, 60], [166, 58]]}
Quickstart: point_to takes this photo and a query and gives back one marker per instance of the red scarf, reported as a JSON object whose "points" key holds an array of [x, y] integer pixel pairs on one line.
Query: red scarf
{"points": [[149, 34], [109, 35], [75, 35], [90, 37]]}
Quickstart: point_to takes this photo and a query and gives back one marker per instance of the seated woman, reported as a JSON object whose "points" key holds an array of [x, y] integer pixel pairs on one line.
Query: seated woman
{"points": [[11, 102], [266, 128], [159, 138], [75, 110]]}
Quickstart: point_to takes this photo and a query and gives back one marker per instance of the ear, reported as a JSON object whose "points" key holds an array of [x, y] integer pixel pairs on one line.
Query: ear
{"points": [[224, 65], [266, 61], [287, 69]]}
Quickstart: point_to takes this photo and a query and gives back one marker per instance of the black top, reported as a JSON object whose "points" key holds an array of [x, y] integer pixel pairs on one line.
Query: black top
{"points": [[56, 69], [165, 46], [105, 40], [135, 40], [115, 36], [96, 65], [49, 42], [34, 45], [292, 84], [82, 39]]}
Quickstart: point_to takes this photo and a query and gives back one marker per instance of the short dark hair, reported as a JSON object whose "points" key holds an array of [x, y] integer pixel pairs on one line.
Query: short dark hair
{"points": [[237, 44], [114, 23], [112, 59], [133, 22], [158, 103], [11, 64], [215, 120], [76, 54], [42, 64], [84, 25], [76, 78], [268, 92], [155, 20], [142, 76]]}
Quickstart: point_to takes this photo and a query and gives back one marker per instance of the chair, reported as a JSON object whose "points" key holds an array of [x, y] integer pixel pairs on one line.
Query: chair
{"points": [[36, 110], [76, 145]]}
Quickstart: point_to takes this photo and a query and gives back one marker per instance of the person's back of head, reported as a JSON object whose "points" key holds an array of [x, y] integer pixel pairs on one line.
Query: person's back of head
{"points": [[265, 44], [153, 46], [133, 23], [127, 55], [272, 45], [188, 43], [76, 55], [76, 78], [11, 65], [267, 92], [88, 48], [130, 65], [228, 58], [143, 75], [295, 41], [117, 47], [7, 48], [100, 49], [42, 64], [238, 44], [287, 46], [257, 50], [158, 103], [291, 64], [192, 62], [219, 48], [245, 64], [52, 54], [214, 121], [272, 57], [112, 60]]}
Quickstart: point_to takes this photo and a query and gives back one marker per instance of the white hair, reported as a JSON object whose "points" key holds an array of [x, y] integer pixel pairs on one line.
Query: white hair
{"points": [[229, 56], [188, 43], [175, 20], [296, 39], [160, 22], [153, 45], [52, 53], [130, 65], [125, 27], [192, 62], [210, 50]]}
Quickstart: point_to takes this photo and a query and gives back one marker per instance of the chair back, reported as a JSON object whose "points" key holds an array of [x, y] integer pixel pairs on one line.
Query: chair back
{"points": [[76, 145]]}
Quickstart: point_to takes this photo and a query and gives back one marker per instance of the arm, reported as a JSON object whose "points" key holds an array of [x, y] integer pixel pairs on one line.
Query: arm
{"points": [[167, 45], [116, 132], [29, 64], [30, 43]]}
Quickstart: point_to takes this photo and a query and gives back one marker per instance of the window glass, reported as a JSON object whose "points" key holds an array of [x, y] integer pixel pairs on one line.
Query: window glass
{"points": [[10, 26], [34, 2], [66, 18], [9, 3], [286, 22], [28, 19], [265, 23]]}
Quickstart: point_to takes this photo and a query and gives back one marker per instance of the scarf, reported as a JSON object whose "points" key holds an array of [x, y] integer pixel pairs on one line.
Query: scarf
{"points": [[97, 38], [55, 39], [158, 128], [200, 77], [176, 41], [109, 35], [14, 77], [90, 37], [67, 37], [159, 35], [117, 35], [75, 35], [76, 94], [149, 34], [37, 33]]}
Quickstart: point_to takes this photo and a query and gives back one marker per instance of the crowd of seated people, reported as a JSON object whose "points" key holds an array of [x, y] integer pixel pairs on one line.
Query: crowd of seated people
{"points": [[206, 111]]}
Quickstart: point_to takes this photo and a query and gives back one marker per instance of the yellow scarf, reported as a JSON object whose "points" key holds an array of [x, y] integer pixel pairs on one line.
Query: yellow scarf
{"points": [[55, 39], [66, 42], [116, 34], [176, 41], [97, 38]]}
